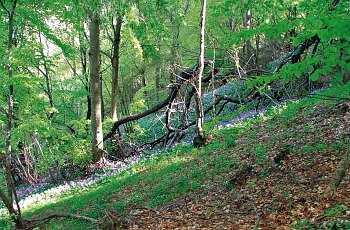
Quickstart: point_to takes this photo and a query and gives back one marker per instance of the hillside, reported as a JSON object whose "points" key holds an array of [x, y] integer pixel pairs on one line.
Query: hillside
{"points": [[270, 172], [174, 114]]}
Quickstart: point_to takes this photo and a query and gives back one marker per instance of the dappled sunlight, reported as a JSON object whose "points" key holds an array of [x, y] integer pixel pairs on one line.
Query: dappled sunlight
{"points": [[174, 114]]}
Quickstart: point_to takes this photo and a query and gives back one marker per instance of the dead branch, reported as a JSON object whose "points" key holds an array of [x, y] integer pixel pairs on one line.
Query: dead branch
{"points": [[178, 133], [228, 98], [295, 55], [69, 216], [32, 223], [256, 212], [185, 75]]}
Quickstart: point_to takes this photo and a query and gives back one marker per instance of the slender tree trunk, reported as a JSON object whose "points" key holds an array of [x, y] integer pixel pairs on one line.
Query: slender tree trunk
{"points": [[175, 53], [126, 112], [158, 69], [15, 214], [6, 158], [48, 90], [10, 96], [257, 43], [115, 65], [157, 80], [7, 201], [96, 114], [200, 139], [102, 99], [248, 46], [86, 83], [84, 72]]}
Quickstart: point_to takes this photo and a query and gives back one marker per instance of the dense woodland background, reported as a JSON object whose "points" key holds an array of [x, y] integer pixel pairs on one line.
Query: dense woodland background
{"points": [[84, 83]]}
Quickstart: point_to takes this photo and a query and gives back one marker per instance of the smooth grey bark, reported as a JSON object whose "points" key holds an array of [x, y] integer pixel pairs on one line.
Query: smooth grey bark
{"points": [[96, 103], [117, 27], [200, 139], [84, 72]]}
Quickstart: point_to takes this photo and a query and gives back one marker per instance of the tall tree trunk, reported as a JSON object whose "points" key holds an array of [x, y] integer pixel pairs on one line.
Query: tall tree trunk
{"points": [[102, 99], [175, 52], [158, 69], [6, 158], [257, 49], [115, 65], [84, 72], [87, 87], [248, 46], [96, 114], [15, 214], [48, 90], [200, 139]]}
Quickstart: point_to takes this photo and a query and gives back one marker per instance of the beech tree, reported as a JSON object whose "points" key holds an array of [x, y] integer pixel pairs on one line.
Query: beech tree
{"points": [[96, 113], [116, 25], [11, 196], [200, 139]]}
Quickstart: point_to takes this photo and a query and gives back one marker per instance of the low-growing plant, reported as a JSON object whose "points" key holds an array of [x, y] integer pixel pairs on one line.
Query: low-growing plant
{"points": [[230, 143], [336, 210], [260, 152]]}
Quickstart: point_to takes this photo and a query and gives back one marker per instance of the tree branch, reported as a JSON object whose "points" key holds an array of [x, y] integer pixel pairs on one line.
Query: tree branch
{"points": [[62, 215], [4, 7], [294, 56], [184, 76]]}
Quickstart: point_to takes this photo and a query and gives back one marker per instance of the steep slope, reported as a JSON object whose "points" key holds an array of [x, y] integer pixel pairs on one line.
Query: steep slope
{"points": [[270, 171], [293, 153]]}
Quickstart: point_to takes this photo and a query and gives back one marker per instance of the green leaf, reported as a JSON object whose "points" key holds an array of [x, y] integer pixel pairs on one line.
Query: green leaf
{"points": [[315, 75], [337, 78]]}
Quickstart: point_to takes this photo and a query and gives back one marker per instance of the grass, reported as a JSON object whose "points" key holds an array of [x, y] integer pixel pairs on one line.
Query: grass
{"points": [[184, 171]]}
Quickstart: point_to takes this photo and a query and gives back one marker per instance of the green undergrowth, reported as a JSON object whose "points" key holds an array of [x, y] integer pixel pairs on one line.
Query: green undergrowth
{"points": [[183, 171]]}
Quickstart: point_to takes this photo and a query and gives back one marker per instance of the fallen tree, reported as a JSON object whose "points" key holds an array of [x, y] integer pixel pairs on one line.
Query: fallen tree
{"points": [[185, 75], [177, 134], [295, 55], [188, 74]]}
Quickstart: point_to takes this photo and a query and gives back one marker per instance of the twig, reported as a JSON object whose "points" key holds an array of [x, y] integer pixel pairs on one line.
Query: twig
{"points": [[270, 99], [159, 216], [256, 212], [150, 209]]}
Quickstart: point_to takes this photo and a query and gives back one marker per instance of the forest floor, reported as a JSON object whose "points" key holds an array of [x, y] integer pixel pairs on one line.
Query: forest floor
{"points": [[293, 150], [274, 195]]}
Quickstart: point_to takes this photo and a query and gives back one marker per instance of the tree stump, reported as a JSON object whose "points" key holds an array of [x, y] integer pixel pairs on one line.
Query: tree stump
{"points": [[199, 141]]}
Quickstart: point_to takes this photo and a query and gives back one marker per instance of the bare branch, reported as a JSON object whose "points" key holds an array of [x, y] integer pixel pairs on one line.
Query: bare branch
{"points": [[62, 215]]}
